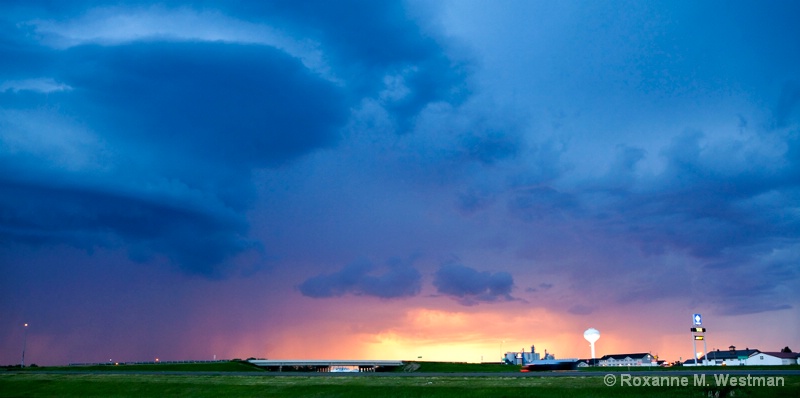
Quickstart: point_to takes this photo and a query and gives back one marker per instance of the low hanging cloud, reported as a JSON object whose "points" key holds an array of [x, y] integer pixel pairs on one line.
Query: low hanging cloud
{"points": [[358, 279], [542, 286], [194, 232], [469, 286]]}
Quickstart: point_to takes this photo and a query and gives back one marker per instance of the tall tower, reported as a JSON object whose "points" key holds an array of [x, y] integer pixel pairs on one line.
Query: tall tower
{"points": [[591, 335]]}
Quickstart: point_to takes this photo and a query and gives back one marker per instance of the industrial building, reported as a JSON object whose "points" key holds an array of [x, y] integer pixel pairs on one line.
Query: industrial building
{"points": [[533, 362], [524, 358]]}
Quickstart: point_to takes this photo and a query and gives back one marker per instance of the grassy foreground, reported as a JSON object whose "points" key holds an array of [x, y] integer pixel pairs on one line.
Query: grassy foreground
{"points": [[461, 367], [626, 369], [39, 384], [221, 366]]}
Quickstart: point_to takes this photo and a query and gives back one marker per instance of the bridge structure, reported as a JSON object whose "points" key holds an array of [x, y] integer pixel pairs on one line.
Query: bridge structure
{"points": [[326, 365]]}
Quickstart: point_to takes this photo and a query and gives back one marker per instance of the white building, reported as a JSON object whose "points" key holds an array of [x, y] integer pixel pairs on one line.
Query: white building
{"points": [[773, 358], [734, 357], [731, 357], [638, 359]]}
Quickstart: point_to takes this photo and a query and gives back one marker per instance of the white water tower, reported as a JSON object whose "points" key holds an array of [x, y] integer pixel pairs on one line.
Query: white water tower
{"points": [[591, 335]]}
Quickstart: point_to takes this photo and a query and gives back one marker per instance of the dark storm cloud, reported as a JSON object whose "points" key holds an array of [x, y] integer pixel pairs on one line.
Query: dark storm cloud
{"points": [[170, 117], [381, 44], [491, 146], [380, 37], [788, 103], [199, 237], [29, 57], [240, 104], [542, 286], [736, 192], [715, 194], [204, 114], [621, 173], [469, 286], [542, 202], [708, 200], [720, 203], [400, 280], [747, 284], [702, 187]]}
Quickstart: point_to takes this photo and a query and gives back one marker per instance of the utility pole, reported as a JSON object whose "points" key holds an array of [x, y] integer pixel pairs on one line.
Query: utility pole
{"points": [[24, 344]]}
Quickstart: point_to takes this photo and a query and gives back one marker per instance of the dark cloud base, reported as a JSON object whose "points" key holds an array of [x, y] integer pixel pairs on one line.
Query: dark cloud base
{"points": [[470, 287], [359, 279]]}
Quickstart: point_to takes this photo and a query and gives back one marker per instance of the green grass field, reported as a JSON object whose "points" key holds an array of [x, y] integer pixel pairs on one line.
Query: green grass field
{"points": [[684, 368], [110, 381], [226, 366], [460, 367], [134, 385]]}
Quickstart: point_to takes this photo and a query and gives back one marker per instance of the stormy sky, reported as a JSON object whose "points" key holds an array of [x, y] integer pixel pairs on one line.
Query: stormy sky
{"points": [[391, 180]]}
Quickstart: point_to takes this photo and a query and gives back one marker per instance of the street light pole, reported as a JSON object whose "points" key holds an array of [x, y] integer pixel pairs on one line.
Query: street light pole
{"points": [[24, 344]]}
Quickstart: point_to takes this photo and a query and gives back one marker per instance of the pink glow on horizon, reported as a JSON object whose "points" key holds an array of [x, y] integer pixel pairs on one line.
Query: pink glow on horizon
{"points": [[434, 335]]}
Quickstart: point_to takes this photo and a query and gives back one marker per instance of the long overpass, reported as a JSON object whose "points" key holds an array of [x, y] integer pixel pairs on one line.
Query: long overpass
{"points": [[326, 365]]}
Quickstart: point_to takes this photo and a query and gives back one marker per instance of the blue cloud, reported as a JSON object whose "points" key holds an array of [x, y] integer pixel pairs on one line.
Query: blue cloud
{"points": [[742, 285], [242, 104], [469, 286], [788, 107], [400, 280], [380, 42], [167, 111], [201, 114], [198, 237]]}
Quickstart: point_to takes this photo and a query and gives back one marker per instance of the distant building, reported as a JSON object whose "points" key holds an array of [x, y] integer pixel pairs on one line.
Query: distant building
{"points": [[690, 362], [588, 362], [773, 358], [754, 357], [533, 362], [524, 358], [731, 357], [638, 359]]}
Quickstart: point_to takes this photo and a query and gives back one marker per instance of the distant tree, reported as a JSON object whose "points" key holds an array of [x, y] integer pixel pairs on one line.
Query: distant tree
{"points": [[786, 349]]}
